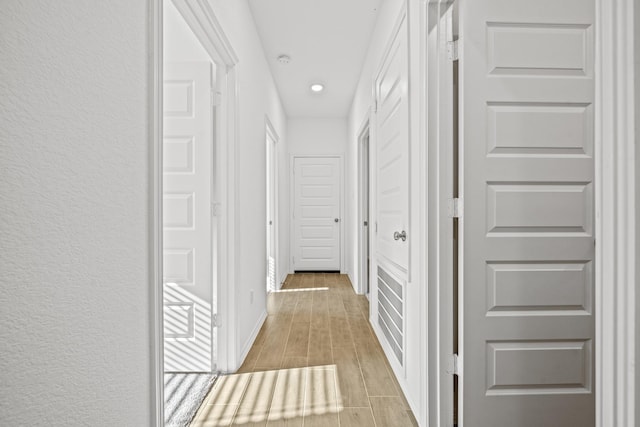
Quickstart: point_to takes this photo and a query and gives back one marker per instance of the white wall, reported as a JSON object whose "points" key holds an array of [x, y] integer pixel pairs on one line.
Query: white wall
{"points": [[414, 382], [179, 42], [258, 98], [317, 136], [74, 228]]}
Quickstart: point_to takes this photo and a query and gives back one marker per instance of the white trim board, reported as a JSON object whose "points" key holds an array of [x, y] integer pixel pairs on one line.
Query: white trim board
{"points": [[616, 182], [155, 207]]}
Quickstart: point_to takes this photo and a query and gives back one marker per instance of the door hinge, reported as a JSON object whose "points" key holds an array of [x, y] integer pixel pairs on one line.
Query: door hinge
{"points": [[216, 98], [454, 365], [455, 208], [215, 322], [215, 209], [453, 50]]}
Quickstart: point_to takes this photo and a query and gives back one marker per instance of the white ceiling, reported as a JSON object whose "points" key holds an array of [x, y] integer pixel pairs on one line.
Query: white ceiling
{"points": [[327, 41]]}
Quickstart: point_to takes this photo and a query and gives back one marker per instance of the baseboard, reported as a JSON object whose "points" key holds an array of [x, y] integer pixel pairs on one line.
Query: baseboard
{"points": [[252, 339], [282, 280], [354, 285], [388, 353]]}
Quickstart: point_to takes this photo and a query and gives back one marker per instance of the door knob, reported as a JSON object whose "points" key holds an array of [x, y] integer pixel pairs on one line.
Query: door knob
{"points": [[398, 236], [336, 220]]}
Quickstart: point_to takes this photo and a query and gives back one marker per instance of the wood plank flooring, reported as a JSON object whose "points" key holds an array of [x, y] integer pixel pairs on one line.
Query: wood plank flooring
{"points": [[315, 362]]}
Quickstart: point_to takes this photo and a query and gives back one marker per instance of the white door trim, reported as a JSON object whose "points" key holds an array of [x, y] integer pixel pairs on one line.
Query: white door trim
{"points": [[616, 182], [439, 246], [616, 301], [202, 21], [364, 131], [270, 132], [156, 226], [340, 158]]}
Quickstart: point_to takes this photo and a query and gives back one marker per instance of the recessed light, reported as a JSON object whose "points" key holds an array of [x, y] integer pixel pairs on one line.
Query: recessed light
{"points": [[284, 59], [317, 87]]}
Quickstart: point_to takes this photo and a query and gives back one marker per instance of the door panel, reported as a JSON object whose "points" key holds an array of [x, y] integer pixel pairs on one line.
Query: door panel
{"points": [[316, 208], [527, 95], [392, 154], [392, 167], [188, 169]]}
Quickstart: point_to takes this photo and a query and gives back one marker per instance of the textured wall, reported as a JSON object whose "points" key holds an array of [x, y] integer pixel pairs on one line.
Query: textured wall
{"points": [[74, 256]]}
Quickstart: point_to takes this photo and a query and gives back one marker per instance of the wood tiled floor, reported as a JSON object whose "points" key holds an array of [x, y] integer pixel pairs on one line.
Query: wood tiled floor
{"points": [[315, 362]]}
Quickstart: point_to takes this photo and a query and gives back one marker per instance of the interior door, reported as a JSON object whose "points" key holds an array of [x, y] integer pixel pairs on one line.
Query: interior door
{"points": [[392, 167], [316, 214], [271, 214], [187, 183], [527, 93], [392, 155]]}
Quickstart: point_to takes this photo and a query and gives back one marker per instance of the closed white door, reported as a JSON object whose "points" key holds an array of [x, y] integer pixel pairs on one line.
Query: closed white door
{"points": [[527, 93], [316, 214], [392, 156], [392, 168], [188, 171]]}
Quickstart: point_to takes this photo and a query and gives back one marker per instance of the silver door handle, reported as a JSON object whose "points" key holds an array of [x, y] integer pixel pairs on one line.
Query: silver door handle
{"points": [[398, 236], [336, 220]]}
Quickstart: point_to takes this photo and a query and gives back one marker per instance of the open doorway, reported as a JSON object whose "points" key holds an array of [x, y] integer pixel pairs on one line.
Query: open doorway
{"points": [[363, 208], [189, 228], [272, 202]]}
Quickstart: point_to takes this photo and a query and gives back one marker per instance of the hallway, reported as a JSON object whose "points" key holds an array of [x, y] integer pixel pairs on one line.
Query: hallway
{"points": [[315, 362]]}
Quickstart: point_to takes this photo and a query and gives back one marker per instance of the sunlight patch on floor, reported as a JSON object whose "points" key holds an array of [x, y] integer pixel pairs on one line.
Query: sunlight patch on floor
{"points": [[274, 395]]}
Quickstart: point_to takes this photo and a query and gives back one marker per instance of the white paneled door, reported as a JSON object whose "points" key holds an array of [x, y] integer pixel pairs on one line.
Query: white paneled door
{"points": [[392, 156], [187, 183], [392, 167], [527, 93], [316, 213]]}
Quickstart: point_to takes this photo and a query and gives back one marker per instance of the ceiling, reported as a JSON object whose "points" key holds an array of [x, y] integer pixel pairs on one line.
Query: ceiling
{"points": [[327, 41]]}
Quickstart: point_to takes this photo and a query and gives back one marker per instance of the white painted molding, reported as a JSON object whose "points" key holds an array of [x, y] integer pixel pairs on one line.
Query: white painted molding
{"points": [[247, 346], [204, 24], [615, 214], [156, 363]]}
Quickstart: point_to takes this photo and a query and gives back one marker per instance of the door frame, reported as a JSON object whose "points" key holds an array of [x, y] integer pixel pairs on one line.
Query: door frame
{"points": [[270, 132], [615, 203], [212, 37], [292, 206], [364, 132]]}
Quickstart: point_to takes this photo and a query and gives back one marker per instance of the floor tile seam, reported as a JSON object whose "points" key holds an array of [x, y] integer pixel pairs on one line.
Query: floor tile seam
{"points": [[284, 350], [366, 389], [233, 417], [244, 393], [375, 422]]}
